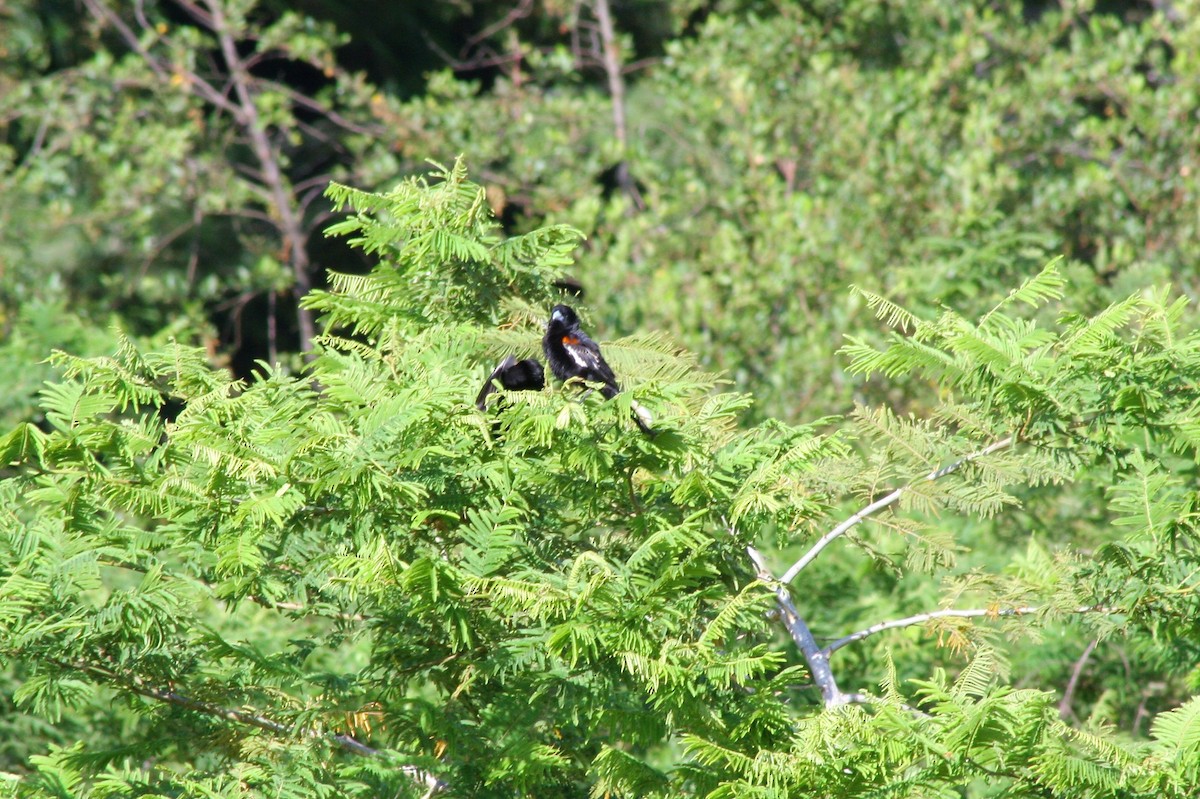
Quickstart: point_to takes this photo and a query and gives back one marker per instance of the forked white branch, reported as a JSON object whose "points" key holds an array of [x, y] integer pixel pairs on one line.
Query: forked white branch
{"points": [[882, 503]]}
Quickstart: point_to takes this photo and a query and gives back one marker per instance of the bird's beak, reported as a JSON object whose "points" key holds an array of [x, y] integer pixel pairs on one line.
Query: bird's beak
{"points": [[556, 316]]}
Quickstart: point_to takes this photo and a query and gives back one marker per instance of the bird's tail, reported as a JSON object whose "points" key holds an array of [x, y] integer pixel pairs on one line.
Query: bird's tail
{"points": [[489, 386], [642, 418]]}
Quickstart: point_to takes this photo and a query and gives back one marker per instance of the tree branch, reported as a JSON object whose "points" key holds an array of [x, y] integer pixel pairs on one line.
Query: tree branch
{"points": [[612, 69], [880, 504], [196, 84], [616, 89], [275, 190], [138, 686], [290, 227], [908, 621], [816, 658], [1064, 706]]}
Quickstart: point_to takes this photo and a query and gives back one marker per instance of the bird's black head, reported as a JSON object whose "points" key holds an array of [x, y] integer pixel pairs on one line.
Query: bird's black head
{"points": [[563, 316]]}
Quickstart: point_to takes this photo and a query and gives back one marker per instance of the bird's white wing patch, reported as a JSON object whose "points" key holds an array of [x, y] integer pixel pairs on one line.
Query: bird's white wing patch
{"points": [[581, 357]]}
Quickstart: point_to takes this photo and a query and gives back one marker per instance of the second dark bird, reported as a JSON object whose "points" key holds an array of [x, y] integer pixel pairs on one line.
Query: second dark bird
{"points": [[512, 375]]}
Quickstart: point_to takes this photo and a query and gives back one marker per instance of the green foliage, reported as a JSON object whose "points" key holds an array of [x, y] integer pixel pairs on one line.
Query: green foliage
{"points": [[938, 155], [337, 582], [381, 497], [451, 227], [207, 580], [145, 178], [37, 327]]}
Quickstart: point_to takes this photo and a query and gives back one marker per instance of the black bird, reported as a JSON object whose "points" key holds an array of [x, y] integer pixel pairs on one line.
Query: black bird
{"points": [[571, 353], [513, 375]]}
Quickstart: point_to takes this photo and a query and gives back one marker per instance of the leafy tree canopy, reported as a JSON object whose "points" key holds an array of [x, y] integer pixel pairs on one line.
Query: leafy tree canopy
{"points": [[352, 582]]}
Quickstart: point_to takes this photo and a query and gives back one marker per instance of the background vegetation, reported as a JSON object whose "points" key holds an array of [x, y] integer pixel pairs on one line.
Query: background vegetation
{"points": [[256, 539]]}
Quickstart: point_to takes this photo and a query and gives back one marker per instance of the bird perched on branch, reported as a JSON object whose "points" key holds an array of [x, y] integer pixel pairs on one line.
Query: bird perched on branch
{"points": [[571, 353], [512, 375]]}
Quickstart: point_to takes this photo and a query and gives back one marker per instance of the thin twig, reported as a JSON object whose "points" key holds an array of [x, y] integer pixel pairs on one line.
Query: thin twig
{"points": [[516, 13], [272, 329], [205, 18], [39, 140], [908, 621], [138, 686], [304, 101], [866, 699], [193, 262], [1064, 705], [163, 242], [880, 504], [139, 13]]}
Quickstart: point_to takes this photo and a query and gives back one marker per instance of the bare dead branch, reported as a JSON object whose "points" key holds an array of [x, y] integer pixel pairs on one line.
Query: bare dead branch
{"points": [[880, 504]]}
